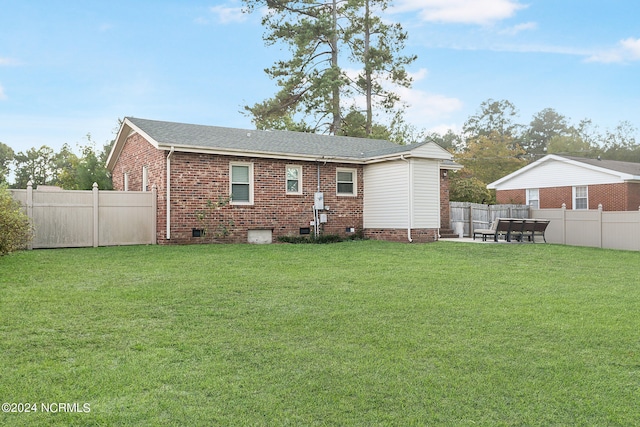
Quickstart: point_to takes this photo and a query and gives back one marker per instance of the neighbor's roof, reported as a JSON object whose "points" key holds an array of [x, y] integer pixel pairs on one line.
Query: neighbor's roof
{"points": [[622, 171], [269, 143]]}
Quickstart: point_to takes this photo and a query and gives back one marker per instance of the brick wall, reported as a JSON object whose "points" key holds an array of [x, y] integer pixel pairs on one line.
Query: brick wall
{"points": [[199, 178], [444, 200], [418, 235], [613, 197], [506, 197]]}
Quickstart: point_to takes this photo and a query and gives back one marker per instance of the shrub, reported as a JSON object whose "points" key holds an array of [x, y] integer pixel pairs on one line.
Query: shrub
{"points": [[15, 228]]}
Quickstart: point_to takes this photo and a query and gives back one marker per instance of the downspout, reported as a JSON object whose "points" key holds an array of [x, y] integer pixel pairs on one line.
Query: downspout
{"points": [[410, 198], [169, 193]]}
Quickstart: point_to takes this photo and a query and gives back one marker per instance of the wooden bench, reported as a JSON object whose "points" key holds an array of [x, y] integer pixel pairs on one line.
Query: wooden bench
{"points": [[514, 229]]}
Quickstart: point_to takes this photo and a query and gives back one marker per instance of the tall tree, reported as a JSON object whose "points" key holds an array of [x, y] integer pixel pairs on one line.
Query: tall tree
{"points": [[310, 82], [36, 166], [545, 125], [490, 157], [494, 117], [377, 45], [313, 84], [6, 157]]}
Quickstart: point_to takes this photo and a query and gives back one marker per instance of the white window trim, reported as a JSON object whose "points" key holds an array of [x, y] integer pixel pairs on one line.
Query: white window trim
{"points": [[242, 202], [530, 199], [286, 179], [355, 181], [574, 197]]}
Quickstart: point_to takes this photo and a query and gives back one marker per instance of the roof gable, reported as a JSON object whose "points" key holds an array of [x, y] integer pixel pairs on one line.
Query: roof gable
{"points": [[273, 144], [558, 171]]}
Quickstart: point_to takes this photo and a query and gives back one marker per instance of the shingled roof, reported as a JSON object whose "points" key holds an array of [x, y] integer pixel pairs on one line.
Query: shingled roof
{"points": [[269, 143], [266, 141], [630, 168]]}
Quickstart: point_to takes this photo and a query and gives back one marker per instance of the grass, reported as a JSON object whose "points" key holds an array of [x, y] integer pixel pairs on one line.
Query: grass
{"points": [[356, 333]]}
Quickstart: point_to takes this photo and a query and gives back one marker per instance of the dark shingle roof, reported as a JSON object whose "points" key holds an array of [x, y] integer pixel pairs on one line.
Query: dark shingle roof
{"points": [[261, 141], [614, 165]]}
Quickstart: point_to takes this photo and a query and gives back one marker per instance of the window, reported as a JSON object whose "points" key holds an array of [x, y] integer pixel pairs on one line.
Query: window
{"points": [[294, 179], [125, 180], [346, 182], [533, 198], [241, 183], [580, 198], [145, 178]]}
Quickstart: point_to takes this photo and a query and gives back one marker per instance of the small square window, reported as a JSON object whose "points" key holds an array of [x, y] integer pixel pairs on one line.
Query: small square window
{"points": [[346, 182]]}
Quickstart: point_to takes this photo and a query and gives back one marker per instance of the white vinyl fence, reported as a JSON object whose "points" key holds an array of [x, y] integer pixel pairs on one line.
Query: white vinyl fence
{"points": [[72, 218], [597, 228]]}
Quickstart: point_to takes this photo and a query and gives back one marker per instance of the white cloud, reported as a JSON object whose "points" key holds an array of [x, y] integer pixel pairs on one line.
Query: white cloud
{"points": [[3, 95], [426, 107], [8, 62], [421, 106], [512, 31], [228, 14], [626, 50], [481, 12]]}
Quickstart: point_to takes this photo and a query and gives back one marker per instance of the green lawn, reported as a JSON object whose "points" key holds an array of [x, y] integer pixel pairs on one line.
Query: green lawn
{"points": [[356, 333]]}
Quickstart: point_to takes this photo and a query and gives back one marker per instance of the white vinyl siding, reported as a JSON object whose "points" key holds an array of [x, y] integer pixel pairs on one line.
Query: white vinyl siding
{"points": [[241, 183], [554, 173], [385, 195], [426, 194]]}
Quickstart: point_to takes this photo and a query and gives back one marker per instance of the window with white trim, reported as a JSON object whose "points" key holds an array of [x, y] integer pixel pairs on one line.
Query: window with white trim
{"points": [[294, 179], [580, 198], [533, 198], [145, 178], [241, 183], [346, 182]]}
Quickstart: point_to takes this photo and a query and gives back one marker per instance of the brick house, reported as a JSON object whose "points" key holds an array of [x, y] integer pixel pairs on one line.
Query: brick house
{"points": [[577, 182], [281, 183]]}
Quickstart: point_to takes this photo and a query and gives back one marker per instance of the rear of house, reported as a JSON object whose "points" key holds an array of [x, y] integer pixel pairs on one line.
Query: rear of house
{"points": [[577, 183], [276, 183]]}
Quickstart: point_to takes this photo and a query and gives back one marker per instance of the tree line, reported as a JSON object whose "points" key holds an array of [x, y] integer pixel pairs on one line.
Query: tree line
{"points": [[493, 143], [66, 169]]}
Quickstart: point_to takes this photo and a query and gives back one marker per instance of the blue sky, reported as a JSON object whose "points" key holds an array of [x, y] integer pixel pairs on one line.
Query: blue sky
{"points": [[70, 67]]}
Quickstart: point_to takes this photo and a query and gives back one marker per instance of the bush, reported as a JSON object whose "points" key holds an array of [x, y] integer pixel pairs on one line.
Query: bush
{"points": [[323, 238], [15, 228]]}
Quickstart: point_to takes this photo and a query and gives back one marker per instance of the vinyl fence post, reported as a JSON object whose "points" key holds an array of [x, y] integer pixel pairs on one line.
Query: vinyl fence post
{"points": [[30, 208], [96, 207], [600, 225], [564, 223]]}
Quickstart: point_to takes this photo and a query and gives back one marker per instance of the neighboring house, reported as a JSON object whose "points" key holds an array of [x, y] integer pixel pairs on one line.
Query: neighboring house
{"points": [[577, 182], [276, 179]]}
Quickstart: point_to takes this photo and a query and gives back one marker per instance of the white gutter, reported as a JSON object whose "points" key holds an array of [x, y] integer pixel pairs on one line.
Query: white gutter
{"points": [[410, 198], [169, 193]]}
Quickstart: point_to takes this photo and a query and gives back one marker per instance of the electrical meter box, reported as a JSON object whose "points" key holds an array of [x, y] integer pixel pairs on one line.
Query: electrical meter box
{"points": [[318, 201]]}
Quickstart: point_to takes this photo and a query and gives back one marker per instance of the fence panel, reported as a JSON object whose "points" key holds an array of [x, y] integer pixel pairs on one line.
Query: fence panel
{"points": [[596, 228], [468, 216], [78, 218]]}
